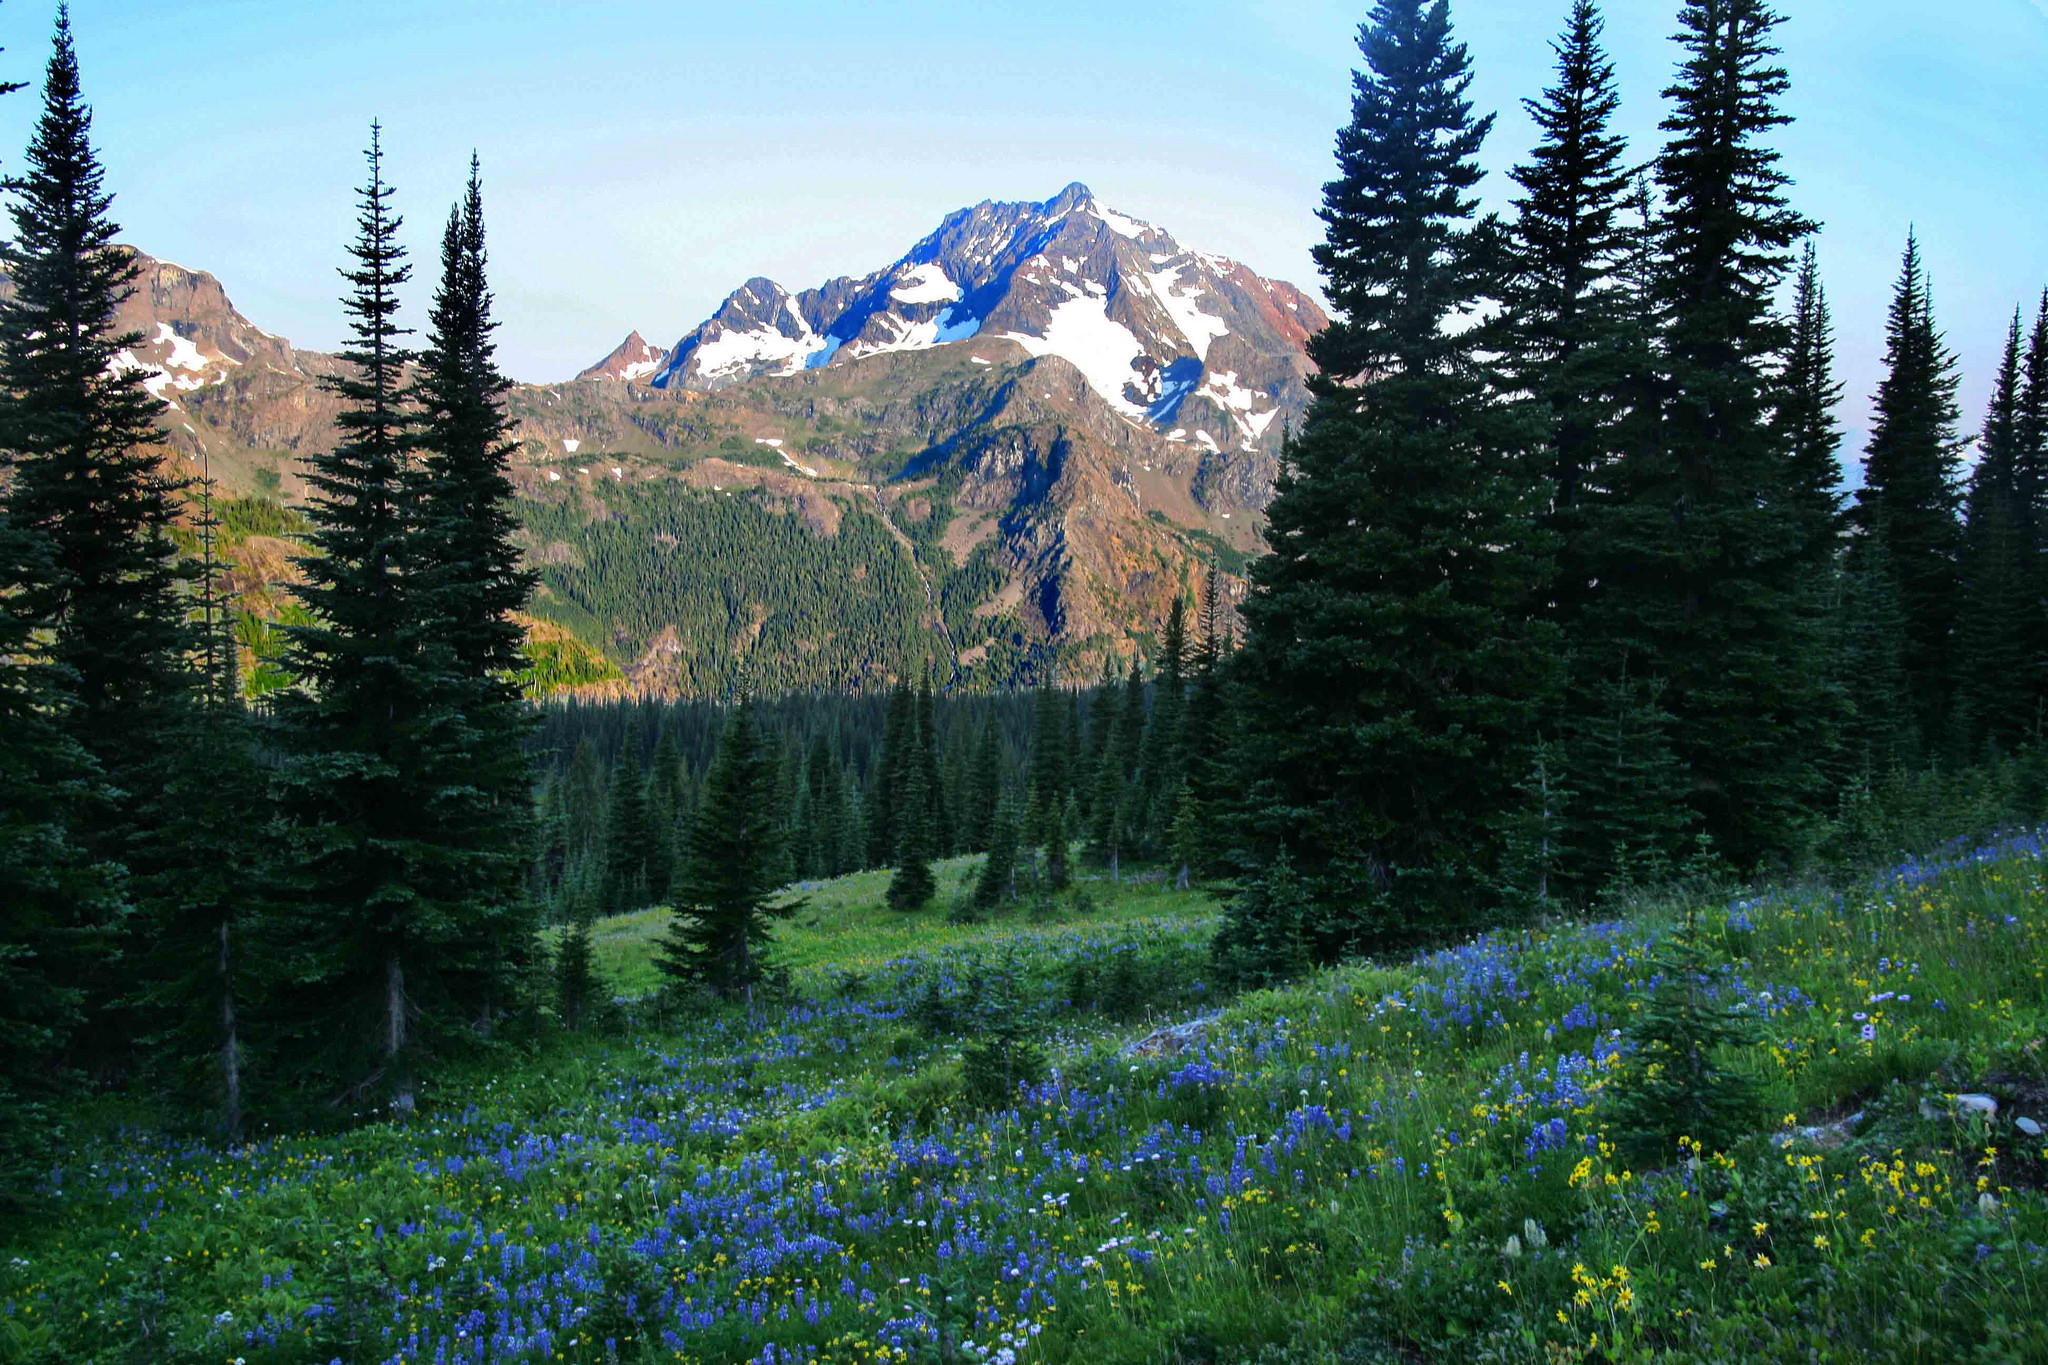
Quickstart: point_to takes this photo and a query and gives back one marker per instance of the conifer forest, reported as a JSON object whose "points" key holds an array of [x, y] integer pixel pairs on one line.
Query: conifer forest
{"points": [[1575, 892]]}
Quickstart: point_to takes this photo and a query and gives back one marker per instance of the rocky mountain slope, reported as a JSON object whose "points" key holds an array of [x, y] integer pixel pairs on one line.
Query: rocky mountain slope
{"points": [[1003, 453]]}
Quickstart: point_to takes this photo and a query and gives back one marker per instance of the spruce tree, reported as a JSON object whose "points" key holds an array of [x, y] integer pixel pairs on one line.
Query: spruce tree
{"points": [[1911, 486], [1809, 395], [77, 431], [719, 938], [1702, 578], [1049, 781], [887, 776], [576, 984], [1159, 757], [205, 851], [469, 583], [998, 880], [55, 898], [1995, 677], [938, 822], [1564, 331], [367, 722], [1880, 732], [1204, 760], [1391, 671], [2030, 490], [985, 788], [912, 887], [628, 837]]}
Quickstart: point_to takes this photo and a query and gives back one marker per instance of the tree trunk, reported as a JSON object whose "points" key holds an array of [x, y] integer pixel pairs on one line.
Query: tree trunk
{"points": [[1180, 882], [230, 1049], [394, 1040]]}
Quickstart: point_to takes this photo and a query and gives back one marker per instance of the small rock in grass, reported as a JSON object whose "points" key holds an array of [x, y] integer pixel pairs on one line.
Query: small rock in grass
{"points": [[1976, 1104], [2027, 1126]]}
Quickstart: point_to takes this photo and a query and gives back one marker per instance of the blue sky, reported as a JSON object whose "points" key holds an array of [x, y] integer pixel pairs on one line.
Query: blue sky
{"points": [[642, 160]]}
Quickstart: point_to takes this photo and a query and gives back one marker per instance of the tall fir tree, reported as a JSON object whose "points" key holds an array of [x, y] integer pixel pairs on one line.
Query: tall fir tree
{"points": [[913, 886], [367, 1007], [1701, 573], [1563, 327], [720, 936], [1911, 490], [1994, 675], [2030, 508], [937, 811], [1391, 671], [1159, 756], [56, 899], [628, 837], [79, 433], [206, 850], [470, 581], [997, 881], [984, 788], [1049, 781], [1808, 398]]}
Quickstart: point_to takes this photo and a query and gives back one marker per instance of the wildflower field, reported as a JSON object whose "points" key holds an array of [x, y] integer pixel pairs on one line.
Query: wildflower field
{"points": [[1400, 1162]]}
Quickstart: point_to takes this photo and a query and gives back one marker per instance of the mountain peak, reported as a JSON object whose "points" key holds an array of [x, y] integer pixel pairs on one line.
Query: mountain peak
{"points": [[1196, 348], [634, 358], [1074, 196]]}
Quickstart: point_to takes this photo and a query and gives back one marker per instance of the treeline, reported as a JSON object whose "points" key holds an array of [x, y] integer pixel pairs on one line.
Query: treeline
{"points": [[891, 780], [284, 915]]}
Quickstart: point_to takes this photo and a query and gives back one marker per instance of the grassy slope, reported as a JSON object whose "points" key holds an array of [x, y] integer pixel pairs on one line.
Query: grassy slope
{"points": [[1334, 1171]]}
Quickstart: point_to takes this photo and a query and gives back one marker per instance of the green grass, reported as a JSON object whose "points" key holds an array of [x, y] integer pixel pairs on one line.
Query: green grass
{"points": [[842, 925], [1402, 1161]]}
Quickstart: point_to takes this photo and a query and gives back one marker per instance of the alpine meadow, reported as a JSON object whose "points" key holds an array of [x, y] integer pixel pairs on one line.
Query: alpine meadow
{"points": [[1062, 800]]}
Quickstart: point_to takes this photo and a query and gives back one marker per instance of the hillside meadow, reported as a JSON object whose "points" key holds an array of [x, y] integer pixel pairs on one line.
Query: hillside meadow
{"points": [[1398, 1161]]}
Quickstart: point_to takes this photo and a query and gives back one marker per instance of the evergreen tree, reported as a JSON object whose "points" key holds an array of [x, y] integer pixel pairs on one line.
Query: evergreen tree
{"points": [[205, 848], [1996, 684], [1809, 395], [1909, 497], [888, 776], [912, 887], [576, 984], [628, 838], [1391, 672], [1564, 329], [1058, 873], [1203, 761], [1159, 759], [55, 898], [1880, 732], [584, 799], [719, 937], [469, 582], [76, 431], [1269, 929], [1701, 572], [938, 824], [984, 788], [1677, 1085], [2030, 505], [1627, 820], [998, 880], [359, 790], [1048, 795]]}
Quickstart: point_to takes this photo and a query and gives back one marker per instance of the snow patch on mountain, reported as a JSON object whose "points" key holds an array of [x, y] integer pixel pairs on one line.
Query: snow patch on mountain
{"points": [[731, 352], [1105, 351], [928, 283], [1182, 304]]}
